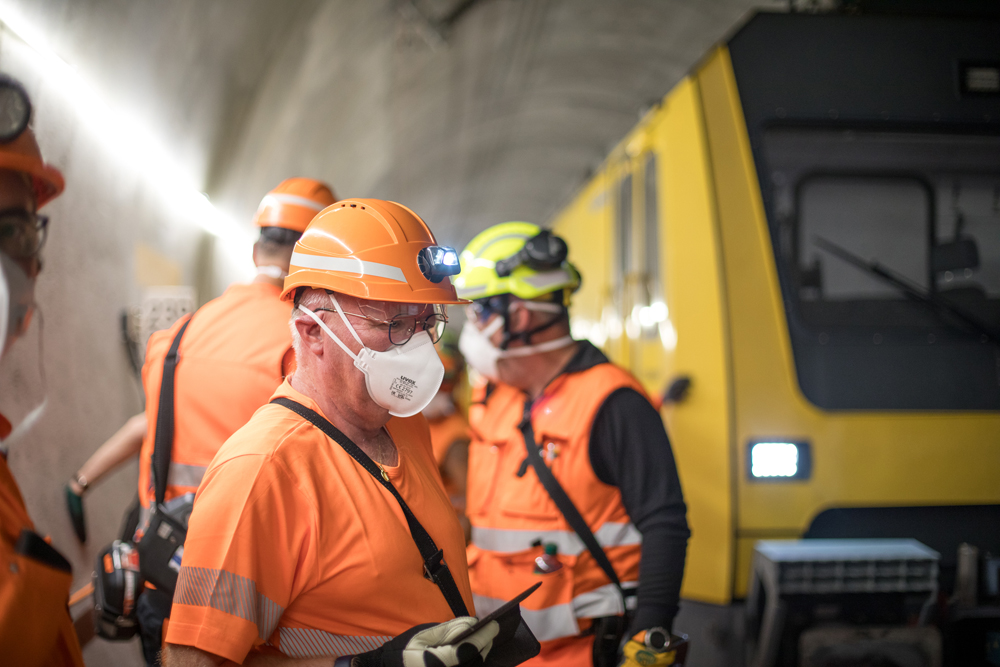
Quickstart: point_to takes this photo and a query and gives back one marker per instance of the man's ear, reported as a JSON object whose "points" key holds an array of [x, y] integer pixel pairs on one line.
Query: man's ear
{"points": [[310, 334], [519, 318], [256, 253]]}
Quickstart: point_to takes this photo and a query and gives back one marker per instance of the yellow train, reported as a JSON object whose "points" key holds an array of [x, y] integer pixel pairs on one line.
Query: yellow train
{"points": [[802, 242]]}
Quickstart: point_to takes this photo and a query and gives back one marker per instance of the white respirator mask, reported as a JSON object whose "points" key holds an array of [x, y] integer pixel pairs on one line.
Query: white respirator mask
{"points": [[404, 378], [17, 296], [480, 352]]}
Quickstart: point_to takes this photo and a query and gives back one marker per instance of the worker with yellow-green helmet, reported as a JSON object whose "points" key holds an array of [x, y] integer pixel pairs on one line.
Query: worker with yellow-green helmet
{"points": [[572, 480]]}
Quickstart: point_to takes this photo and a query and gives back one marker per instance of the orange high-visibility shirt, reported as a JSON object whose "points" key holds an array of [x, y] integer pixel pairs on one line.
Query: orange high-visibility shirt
{"points": [[293, 544], [445, 432], [231, 359], [35, 625]]}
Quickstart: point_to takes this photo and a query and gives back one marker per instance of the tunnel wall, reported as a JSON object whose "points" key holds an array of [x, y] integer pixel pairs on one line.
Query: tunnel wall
{"points": [[497, 116]]}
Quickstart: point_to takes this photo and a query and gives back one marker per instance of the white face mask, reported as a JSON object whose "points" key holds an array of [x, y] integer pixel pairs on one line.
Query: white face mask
{"points": [[16, 300], [480, 352], [404, 378]]}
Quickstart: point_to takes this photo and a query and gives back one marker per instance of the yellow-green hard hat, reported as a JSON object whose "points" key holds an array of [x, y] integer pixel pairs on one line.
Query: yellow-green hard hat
{"points": [[479, 278]]}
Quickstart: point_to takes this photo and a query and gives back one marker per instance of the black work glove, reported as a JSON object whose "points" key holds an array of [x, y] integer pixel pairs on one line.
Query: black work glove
{"points": [[74, 504], [431, 645]]}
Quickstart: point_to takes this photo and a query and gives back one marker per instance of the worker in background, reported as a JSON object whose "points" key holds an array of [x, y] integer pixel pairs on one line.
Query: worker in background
{"points": [[299, 551], [35, 625], [449, 427], [552, 411], [234, 352]]}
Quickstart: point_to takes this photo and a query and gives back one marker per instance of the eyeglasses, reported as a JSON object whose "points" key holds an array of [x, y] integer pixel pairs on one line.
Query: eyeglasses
{"points": [[402, 327], [481, 310], [22, 233]]}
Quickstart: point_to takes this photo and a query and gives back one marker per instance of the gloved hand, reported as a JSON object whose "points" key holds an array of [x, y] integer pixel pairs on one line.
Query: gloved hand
{"points": [[654, 647], [74, 503], [431, 645]]}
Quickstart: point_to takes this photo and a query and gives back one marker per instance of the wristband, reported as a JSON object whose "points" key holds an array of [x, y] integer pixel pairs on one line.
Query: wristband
{"points": [[81, 481]]}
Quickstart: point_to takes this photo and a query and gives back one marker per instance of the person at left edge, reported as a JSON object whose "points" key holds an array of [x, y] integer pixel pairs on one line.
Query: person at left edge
{"points": [[231, 357], [35, 626], [299, 550]]}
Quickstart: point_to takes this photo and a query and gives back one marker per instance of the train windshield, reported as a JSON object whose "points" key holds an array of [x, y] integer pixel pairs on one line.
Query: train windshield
{"points": [[888, 251]]}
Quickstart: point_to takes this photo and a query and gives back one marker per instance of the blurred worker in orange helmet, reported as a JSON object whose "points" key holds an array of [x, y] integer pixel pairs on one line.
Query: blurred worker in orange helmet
{"points": [[231, 354], [322, 534], [449, 428], [35, 626]]}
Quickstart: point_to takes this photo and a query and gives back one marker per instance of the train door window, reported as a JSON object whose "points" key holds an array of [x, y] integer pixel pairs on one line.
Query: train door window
{"points": [[654, 311], [888, 253], [624, 227]]}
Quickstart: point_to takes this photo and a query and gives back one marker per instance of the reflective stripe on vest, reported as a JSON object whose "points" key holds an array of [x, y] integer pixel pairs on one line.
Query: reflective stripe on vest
{"points": [[559, 620], [182, 474], [501, 540], [310, 643]]}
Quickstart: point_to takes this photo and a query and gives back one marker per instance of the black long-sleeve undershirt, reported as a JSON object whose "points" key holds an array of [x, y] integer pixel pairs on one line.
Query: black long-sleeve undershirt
{"points": [[629, 449]]}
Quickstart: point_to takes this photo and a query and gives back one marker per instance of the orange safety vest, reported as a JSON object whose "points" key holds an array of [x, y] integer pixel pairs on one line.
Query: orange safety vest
{"points": [[231, 359], [445, 432], [513, 516], [35, 626]]}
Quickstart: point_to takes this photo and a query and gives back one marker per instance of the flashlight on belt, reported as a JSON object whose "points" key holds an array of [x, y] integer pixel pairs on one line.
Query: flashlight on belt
{"points": [[655, 646]]}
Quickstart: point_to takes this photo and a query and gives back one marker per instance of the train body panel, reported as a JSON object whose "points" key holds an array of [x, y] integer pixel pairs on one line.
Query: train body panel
{"points": [[731, 282]]}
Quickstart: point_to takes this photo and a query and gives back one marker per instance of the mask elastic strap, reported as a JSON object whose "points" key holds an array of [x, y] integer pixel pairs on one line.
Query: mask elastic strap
{"points": [[272, 271], [347, 323], [322, 325], [547, 346]]}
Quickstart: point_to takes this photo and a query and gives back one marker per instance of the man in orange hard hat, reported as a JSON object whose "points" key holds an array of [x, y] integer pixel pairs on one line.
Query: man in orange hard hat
{"points": [[225, 361], [35, 626], [321, 534]]}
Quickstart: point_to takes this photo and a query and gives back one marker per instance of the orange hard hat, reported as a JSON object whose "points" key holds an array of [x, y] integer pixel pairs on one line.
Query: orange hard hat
{"points": [[22, 154], [293, 204], [373, 249]]}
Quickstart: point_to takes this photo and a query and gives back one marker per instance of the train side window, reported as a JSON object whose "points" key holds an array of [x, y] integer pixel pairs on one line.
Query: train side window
{"points": [[652, 219], [624, 227]]}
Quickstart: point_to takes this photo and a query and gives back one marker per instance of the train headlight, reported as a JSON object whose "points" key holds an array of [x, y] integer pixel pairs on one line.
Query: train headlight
{"points": [[779, 459]]}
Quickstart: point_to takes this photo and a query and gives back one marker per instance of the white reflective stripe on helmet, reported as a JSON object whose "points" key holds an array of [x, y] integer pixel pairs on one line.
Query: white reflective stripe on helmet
{"points": [[295, 200], [568, 542], [311, 643], [347, 265], [559, 620]]}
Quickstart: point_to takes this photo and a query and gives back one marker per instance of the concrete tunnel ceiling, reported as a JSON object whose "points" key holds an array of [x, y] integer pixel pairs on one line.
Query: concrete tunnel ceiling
{"points": [[471, 113]]}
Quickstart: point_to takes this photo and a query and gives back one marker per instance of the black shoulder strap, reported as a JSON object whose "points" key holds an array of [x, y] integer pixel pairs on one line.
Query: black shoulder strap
{"points": [[164, 439], [563, 502], [435, 569]]}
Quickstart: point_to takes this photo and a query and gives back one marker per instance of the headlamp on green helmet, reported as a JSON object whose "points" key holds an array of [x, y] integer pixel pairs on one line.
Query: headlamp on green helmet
{"points": [[516, 258]]}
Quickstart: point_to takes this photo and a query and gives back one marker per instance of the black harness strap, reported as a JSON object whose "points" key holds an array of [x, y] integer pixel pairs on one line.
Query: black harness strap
{"points": [[563, 501], [435, 569], [163, 443]]}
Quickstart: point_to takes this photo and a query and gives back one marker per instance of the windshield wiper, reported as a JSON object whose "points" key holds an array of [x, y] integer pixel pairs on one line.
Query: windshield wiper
{"points": [[908, 288]]}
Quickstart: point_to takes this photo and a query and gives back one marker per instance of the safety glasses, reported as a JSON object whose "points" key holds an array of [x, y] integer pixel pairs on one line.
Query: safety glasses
{"points": [[403, 325], [22, 233]]}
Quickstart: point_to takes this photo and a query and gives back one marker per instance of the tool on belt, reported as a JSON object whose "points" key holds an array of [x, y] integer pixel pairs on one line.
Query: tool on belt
{"points": [[608, 630]]}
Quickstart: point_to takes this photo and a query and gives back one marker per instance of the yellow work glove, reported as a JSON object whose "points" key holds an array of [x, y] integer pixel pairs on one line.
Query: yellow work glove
{"points": [[654, 647]]}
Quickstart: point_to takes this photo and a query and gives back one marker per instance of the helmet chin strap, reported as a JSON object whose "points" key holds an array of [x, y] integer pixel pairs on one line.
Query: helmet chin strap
{"points": [[525, 336]]}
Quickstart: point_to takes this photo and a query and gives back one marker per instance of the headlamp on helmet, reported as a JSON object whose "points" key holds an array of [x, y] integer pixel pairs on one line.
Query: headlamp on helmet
{"points": [[15, 109], [437, 262], [543, 252]]}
